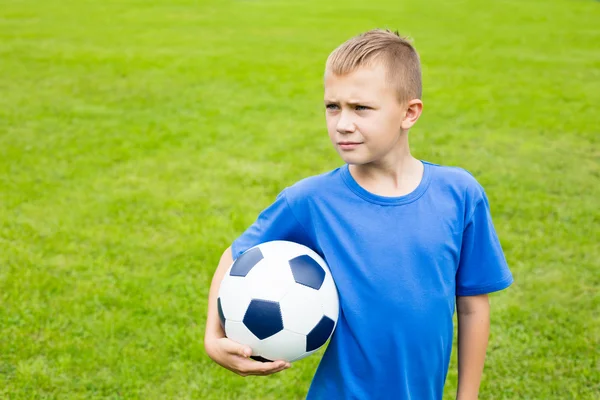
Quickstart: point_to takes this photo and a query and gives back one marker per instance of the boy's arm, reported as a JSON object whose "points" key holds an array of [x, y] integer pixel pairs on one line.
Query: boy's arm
{"points": [[213, 324], [226, 352], [473, 332]]}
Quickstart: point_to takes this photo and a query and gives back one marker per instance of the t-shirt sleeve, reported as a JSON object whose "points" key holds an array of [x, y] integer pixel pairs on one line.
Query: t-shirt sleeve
{"points": [[276, 222], [482, 266]]}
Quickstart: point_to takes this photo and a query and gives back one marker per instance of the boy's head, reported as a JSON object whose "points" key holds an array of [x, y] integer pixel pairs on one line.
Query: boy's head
{"points": [[372, 95], [387, 49]]}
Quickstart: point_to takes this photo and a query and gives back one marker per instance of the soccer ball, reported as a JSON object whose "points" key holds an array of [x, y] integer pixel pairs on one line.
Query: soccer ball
{"points": [[279, 298]]}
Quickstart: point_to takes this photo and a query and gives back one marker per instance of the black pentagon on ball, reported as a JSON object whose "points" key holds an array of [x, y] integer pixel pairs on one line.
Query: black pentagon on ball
{"points": [[307, 271], [244, 263], [221, 315], [320, 333], [263, 318]]}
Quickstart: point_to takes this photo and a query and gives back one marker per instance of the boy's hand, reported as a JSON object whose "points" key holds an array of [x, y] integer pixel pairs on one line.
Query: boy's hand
{"points": [[235, 357]]}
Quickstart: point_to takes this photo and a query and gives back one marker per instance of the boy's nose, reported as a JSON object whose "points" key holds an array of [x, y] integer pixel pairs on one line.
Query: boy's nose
{"points": [[345, 125]]}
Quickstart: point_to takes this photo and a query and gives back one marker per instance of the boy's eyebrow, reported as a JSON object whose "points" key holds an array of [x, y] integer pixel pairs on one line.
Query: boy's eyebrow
{"points": [[351, 102]]}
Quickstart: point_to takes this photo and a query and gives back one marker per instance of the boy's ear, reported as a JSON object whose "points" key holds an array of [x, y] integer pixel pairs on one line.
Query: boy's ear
{"points": [[413, 112]]}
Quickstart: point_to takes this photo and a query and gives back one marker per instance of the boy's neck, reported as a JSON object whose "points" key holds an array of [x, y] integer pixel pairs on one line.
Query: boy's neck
{"points": [[398, 175]]}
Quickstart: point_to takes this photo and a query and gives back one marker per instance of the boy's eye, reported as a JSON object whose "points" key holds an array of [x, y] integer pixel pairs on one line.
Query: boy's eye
{"points": [[331, 106], [361, 108]]}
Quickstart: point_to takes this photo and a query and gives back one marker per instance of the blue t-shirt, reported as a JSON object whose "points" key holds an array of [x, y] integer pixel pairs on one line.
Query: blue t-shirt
{"points": [[398, 263]]}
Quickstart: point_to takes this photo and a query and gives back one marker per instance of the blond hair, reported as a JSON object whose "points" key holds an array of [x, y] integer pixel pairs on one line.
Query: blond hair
{"points": [[384, 46]]}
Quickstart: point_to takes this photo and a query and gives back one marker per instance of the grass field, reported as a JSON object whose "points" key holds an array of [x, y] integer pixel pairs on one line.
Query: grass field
{"points": [[138, 138]]}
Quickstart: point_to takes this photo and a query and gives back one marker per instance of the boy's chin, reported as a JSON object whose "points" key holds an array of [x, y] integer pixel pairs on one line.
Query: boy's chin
{"points": [[352, 159], [357, 161]]}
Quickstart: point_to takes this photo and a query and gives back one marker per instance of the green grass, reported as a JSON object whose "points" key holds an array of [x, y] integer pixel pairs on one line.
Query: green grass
{"points": [[138, 138]]}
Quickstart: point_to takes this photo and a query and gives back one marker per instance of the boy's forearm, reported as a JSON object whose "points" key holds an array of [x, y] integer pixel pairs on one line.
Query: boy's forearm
{"points": [[473, 333], [213, 325]]}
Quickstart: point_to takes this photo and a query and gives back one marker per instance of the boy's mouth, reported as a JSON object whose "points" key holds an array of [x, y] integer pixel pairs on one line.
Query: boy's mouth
{"points": [[348, 145]]}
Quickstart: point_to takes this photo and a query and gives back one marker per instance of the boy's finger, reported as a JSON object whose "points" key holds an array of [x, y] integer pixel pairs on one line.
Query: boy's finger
{"points": [[262, 368], [235, 348], [283, 367], [273, 367]]}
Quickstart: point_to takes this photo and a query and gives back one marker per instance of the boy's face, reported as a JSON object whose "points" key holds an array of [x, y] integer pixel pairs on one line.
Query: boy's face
{"points": [[363, 114]]}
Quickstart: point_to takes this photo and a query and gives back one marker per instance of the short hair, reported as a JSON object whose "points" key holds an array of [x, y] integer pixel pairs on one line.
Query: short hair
{"points": [[384, 46]]}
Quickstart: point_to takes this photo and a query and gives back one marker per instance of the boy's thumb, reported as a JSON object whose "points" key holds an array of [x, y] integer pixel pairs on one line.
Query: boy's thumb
{"points": [[232, 347], [245, 351]]}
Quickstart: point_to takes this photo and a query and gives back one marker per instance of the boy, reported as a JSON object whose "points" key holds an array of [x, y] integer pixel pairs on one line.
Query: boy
{"points": [[406, 241]]}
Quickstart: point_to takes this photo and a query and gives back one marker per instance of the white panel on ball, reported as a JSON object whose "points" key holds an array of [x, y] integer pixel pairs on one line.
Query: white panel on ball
{"points": [[303, 355], [329, 298], [235, 297], [277, 274], [238, 332], [301, 309], [284, 345], [283, 250]]}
